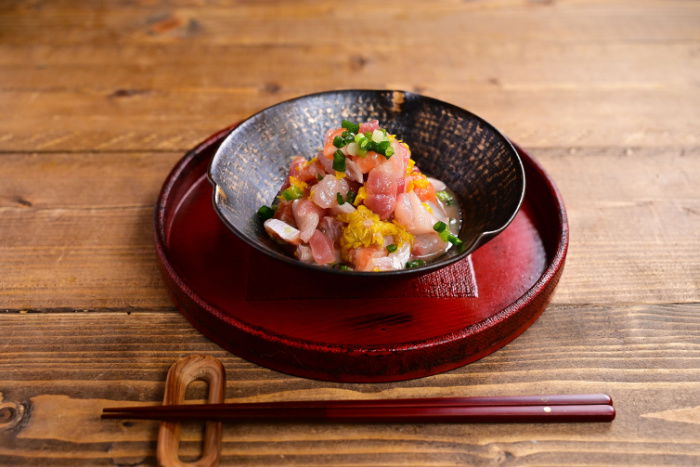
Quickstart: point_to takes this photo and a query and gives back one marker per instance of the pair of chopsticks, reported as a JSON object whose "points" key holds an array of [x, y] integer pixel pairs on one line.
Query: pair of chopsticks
{"points": [[508, 409]]}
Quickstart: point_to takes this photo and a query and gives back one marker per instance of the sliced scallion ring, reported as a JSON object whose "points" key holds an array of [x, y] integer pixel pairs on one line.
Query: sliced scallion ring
{"points": [[348, 125], [339, 161]]}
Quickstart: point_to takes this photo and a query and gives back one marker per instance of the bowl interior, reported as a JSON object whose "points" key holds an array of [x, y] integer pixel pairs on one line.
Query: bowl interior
{"points": [[467, 153]]}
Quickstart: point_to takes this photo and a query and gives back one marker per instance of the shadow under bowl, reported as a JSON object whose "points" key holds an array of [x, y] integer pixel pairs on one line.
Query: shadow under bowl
{"points": [[466, 152]]}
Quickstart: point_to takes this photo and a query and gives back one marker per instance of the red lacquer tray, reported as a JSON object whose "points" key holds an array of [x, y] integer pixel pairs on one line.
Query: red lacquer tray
{"points": [[322, 326]]}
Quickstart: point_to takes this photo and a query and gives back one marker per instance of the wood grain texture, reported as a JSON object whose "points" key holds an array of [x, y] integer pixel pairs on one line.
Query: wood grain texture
{"points": [[86, 241], [645, 356], [101, 99], [159, 77]]}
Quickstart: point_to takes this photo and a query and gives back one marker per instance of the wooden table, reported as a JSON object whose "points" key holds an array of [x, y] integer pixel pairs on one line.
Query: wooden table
{"points": [[100, 101]]}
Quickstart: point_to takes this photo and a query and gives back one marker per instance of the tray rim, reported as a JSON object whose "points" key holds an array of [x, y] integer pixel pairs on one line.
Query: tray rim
{"points": [[544, 282]]}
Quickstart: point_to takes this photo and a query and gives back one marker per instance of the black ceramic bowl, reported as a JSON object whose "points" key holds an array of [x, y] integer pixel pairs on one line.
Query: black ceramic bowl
{"points": [[449, 143]]}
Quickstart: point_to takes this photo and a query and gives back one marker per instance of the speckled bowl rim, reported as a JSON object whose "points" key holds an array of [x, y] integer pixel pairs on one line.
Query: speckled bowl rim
{"points": [[482, 239]]}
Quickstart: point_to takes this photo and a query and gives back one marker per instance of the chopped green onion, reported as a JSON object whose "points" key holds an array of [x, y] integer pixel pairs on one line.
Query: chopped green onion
{"points": [[344, 267], [339, 198], [292, 193], [350, 196], [368, 134], [445, 197], [339, 161], [364, 143], [441, 228], [416, 263], [383, 147], [354, 127], [378, 136], [391, 248], [265, 213], [347, 137], [353, 149], [338, 142], [389, 152], [454, 240]]}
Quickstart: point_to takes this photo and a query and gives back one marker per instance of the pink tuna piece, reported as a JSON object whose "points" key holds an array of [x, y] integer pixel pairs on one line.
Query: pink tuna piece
{"points": [[369, 161], [353, 171], [332, 133], [345, 208], [363, 257], [321, 248], [328, 146], [369, 126], [331, 228], [428, 244], [303, 254], [400, 151], [305, 171], [400, 158], [282, 231], [325, 192], [325, 163], [306, 217], [411, 213], [381, 204], [382, 186], [284, 213], [393, 261]]}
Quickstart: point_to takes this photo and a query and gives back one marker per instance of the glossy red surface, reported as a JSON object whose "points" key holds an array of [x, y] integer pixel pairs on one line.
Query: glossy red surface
{"points": [[321, 326]]}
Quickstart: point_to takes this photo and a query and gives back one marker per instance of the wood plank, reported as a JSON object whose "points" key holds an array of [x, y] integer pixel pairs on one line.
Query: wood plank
{"points": [[77, 227], [645, 356], [176, 121], [496, 81], [101, 99], [80, 226], [110, 82], [620, 206], [598, 64], [320, 22]]}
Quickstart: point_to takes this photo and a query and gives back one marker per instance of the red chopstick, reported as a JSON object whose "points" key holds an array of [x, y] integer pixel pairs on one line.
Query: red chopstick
{"points": [[559, 408]]}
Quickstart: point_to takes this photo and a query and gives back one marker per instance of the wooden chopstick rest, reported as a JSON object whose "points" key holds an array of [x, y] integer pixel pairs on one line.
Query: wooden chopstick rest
{"points": [[181, 374]]}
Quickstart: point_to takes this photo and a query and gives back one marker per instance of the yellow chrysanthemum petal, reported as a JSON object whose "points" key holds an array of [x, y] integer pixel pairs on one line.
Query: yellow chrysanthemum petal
{"points": [[365, 229], [361, 196], [296, 183]]}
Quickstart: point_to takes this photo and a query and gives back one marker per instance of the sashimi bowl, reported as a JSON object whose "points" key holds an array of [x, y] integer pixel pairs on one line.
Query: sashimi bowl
{"points": [[366, 182]]}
